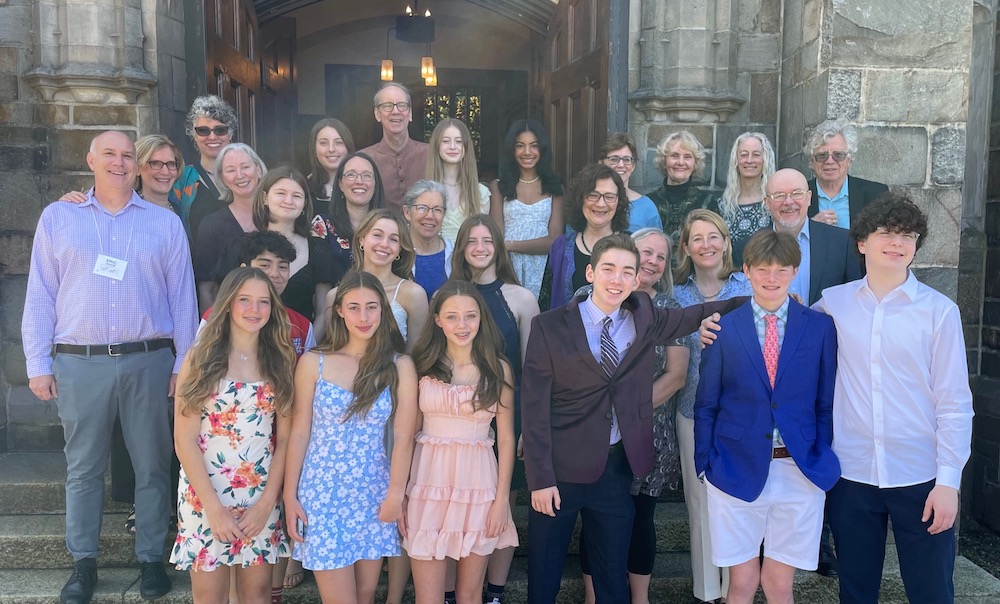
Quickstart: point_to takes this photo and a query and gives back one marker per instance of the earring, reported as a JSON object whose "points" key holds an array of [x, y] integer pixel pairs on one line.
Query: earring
{"points": [[397, 257]]}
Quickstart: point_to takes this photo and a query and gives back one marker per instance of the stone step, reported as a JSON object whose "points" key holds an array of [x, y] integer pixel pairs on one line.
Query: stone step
{"points": [[671, 583], [39, 540], [35, 483]]}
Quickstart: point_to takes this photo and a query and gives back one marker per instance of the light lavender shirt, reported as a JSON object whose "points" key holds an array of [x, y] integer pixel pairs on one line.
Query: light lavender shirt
{"points": [[66, 303]]}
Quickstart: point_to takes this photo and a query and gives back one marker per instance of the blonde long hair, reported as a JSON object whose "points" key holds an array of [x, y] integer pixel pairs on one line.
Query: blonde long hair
{"points": [[468, 174], [685, 266], [208, 359]]}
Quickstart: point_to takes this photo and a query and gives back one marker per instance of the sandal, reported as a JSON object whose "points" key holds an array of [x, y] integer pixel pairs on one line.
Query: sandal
{"points": [[130, 522], [294, 578]]}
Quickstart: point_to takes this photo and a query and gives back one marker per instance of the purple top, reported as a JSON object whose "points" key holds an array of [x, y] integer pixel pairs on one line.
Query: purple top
{"points": [[66, 303]]}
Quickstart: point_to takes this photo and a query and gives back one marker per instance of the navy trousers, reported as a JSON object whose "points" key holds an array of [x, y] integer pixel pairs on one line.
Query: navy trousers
{"points": [[859, 515], [607, 510]]}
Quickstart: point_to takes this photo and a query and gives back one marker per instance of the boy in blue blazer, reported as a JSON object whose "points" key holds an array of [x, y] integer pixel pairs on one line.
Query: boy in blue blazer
{"points": [[764, 428]]}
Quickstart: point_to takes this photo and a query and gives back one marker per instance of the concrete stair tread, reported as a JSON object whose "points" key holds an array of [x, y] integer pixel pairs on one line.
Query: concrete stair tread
{"points": [[671, 583], [35, 483]]}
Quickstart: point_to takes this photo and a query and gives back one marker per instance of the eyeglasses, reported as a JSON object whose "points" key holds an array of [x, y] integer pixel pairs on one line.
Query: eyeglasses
{"points": [[156, 164], [402, 106], [838, 156], [421, 210], [887, 235], [614, 160], [796, 195], [609, 198], [217, 130], [363, 176]]}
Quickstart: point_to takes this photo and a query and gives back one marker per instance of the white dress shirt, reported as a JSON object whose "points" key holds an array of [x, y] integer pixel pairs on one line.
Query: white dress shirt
{"points": [[902, 407]]}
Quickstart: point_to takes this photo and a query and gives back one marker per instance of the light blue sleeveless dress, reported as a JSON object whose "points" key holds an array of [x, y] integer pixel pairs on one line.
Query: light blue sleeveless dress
{"points": [[345, 477]]}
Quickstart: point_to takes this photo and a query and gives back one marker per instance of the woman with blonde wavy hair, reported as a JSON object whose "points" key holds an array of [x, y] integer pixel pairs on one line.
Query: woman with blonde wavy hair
{"points": [[705, 273], [231, 424], [751, 163]]}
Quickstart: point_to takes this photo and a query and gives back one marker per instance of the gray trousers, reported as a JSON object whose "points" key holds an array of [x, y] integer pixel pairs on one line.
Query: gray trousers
{"points": [[92, 392]]}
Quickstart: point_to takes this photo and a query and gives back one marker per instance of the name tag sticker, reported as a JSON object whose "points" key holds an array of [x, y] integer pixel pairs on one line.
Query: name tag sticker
{"points": [[111, 267]]}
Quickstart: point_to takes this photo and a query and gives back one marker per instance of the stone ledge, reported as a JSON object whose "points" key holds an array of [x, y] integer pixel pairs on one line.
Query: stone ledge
{"points": [[89, 84], [686, 106]]}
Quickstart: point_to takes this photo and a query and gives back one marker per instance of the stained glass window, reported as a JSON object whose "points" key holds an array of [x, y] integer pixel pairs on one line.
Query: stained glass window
{"points": [[464, 104]]}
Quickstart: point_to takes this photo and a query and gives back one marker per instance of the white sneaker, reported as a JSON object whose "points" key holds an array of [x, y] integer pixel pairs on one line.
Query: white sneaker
{"points": [[493, 601]]}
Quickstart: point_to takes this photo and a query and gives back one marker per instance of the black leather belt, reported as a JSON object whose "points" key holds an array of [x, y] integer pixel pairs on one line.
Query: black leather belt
{"points": [[115, 350]]}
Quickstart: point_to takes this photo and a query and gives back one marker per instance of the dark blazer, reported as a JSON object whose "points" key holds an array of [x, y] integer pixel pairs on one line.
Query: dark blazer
{"points": [[736, 410], [566, 397], [860, 192], [833, 258]]}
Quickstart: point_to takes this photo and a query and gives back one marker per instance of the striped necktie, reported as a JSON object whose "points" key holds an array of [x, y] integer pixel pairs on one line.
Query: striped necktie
{"points": [[609, 352]]}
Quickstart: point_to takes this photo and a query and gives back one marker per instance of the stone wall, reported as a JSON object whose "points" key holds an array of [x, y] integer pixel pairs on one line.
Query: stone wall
{"points": [[904, 79], [59, 87], [711, 68]]}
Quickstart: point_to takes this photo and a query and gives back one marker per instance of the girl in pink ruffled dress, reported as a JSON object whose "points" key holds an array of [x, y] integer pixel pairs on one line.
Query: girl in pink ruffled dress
{"points": [[458, 494]]}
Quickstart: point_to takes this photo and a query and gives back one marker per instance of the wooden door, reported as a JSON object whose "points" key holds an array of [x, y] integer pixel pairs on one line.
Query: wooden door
{"points": [[232, 63], [583, 93], [278, 101]]}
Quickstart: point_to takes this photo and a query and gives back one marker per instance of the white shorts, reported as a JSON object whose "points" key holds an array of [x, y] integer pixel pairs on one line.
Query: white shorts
{"points": [[787, 517]]}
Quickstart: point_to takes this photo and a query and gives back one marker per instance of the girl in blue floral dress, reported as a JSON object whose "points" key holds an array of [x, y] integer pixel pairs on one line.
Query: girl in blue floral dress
{"points": [[344, 512], [232, 421]]}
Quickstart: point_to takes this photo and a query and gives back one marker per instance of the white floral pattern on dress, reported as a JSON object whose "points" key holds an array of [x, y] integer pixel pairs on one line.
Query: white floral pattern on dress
{"points": [[345, 478], [523, 221], [237, 442]]}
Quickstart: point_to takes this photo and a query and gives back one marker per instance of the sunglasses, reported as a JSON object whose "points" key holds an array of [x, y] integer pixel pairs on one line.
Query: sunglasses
{"points": [[217, 130]]}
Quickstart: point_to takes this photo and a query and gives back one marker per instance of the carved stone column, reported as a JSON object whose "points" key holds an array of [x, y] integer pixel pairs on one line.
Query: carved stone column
{"points": [[89, 52], [688, 61]]}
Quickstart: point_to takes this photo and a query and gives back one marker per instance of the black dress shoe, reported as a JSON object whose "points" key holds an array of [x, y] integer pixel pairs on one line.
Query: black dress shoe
{"points": [[828, 566], [80, 587], [153, 581]]}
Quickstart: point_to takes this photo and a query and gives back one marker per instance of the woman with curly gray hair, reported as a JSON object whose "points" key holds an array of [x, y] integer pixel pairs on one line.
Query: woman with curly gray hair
{"points": [[211, 123]]}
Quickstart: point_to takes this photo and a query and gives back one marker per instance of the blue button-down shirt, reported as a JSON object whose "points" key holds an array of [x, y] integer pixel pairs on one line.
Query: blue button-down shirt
{"points": [[839, 204], [760, 323], [66, 303], [800, 284]]}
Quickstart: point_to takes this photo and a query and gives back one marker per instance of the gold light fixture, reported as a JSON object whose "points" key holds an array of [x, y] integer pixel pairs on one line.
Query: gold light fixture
{"points": [[427, 64], [431, 81], [386, 74]]}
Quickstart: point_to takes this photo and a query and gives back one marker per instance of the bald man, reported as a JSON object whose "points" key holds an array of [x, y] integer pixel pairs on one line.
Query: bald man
{"points": [[110, 299], [827, 256]]}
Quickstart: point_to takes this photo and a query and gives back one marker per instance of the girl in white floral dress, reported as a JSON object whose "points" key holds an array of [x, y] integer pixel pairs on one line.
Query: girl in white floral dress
{"points": [[343, 497], [232, 421]]}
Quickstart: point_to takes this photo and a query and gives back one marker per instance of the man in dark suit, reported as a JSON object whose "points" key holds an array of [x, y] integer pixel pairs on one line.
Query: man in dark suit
{"points": [[586, 400], [827, 255], [771, 374], [836, 197]]}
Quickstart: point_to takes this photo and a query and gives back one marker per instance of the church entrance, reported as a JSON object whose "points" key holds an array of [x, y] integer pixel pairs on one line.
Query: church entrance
{"points": [[284, 64]]}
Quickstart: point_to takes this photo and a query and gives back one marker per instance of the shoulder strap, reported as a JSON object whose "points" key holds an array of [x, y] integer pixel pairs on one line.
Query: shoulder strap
{"points": [[320, 376]]}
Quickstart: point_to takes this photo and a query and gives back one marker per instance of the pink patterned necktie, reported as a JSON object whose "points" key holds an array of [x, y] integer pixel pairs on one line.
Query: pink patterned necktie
{"points": [[771, 347]]}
